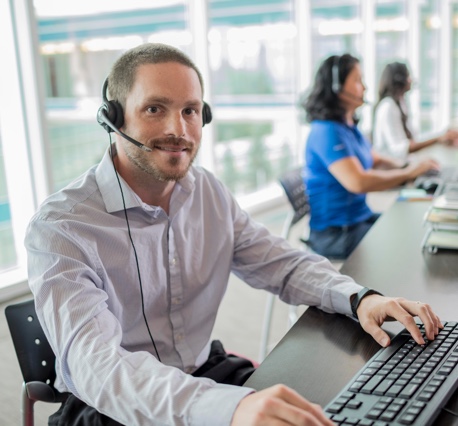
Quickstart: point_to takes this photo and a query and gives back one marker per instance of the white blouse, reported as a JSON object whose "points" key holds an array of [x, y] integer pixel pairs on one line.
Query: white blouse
{"points": [[389, 137]]}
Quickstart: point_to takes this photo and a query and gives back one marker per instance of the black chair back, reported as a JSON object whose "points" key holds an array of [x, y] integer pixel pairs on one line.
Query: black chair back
{"points": [[35, 356], [294, 187]]}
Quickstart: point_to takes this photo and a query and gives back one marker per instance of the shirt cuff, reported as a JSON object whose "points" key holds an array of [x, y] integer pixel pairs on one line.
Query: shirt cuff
{"points": [[216, 406], [340, 297]]}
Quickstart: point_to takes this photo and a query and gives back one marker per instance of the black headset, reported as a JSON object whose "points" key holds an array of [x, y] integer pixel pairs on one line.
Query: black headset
{"points": [[111, 117], [335, 86], [396, 75]]}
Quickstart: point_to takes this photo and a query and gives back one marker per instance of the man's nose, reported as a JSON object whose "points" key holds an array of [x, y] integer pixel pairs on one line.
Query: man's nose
{"points": [[175, 125]]}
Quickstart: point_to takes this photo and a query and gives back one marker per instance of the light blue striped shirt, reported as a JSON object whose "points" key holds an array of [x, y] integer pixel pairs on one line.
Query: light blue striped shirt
{"points": [[83, 275]]}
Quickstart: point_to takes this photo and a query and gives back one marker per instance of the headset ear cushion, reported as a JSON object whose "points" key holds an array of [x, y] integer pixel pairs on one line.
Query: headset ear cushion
{"points": [[102, 117], [206, 114], [110, 112], [115, 114]]}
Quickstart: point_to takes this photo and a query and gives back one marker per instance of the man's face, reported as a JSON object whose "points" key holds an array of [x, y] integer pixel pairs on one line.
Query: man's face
{"points": [[164, 111]]}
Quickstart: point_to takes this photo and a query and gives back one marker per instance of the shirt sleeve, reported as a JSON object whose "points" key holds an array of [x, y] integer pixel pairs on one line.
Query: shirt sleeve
{"points": [[266, 261], [331, 143], [129, 387], [389, 136]]}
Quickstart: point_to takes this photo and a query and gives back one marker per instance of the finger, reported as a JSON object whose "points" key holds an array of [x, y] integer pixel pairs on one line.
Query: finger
{"points": [[402, 310], [394, 308], [287, 414], [429, 319], [373, 328], [298, 409]]}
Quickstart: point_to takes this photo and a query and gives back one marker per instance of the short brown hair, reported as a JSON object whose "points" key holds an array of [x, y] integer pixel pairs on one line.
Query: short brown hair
{"points": [[122, 75]]}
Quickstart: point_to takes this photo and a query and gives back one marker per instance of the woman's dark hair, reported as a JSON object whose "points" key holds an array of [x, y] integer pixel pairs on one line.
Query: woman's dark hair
{"points": [[323, 102], [393, 82]]}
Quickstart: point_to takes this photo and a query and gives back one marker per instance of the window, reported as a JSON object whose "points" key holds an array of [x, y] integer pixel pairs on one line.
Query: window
{"points": [[257, 56], [337, 28], [429, 72], [8, 251], [77, 49], [251, 58], [391, 31]]}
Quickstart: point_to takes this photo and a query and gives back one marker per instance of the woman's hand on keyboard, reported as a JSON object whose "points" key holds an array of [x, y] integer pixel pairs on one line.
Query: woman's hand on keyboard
{"points": [[278, 405], [374, 310]]}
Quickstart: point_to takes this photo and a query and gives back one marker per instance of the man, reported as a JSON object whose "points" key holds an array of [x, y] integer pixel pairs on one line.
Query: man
{"points": [[129, 264]]}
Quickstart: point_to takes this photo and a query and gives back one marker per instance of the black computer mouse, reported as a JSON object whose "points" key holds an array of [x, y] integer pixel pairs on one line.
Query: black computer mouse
{"points": [[430, 185]]}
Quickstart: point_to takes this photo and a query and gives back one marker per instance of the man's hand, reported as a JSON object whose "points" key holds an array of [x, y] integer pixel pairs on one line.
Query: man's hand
{"points": [[278, 405], [374, 310]]}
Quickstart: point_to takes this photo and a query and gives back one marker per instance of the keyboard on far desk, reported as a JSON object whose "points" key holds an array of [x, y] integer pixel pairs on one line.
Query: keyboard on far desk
{"points": [[402, 384], [434, 181]]}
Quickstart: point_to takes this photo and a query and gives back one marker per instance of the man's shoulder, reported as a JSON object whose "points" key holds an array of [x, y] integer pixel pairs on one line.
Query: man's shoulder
{"points": [[64, 201]]}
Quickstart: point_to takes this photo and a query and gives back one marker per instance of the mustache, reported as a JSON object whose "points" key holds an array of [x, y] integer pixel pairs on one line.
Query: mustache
{"points": [[172, 141]]}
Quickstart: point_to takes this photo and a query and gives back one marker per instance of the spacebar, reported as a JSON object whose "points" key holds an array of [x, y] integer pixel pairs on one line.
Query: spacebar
{"points": [[396, 343]]}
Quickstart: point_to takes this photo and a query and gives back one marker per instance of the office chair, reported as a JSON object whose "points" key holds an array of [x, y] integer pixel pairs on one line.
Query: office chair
{"points": [[35, 356], [292, 183]]}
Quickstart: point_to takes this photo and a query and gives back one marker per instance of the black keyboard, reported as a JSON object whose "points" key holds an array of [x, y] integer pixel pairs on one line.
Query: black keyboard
{"points": [[403, 384]]}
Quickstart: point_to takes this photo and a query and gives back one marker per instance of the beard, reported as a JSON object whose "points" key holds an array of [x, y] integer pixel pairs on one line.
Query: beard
{"points": [[163, 170]]}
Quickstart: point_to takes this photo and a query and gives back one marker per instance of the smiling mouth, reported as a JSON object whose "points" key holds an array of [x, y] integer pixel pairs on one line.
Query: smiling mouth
{"points": [[172, 148]]}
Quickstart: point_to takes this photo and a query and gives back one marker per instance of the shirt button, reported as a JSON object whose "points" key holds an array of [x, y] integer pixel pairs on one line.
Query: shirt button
{"points": [[179, 337], [174, 261]]}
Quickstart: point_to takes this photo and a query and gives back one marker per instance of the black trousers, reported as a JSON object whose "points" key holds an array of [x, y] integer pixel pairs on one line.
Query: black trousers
{"points": [[220, 366]]}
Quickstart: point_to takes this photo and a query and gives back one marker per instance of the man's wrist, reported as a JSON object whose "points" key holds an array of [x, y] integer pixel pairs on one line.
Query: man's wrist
{"points": [[358, 297]]}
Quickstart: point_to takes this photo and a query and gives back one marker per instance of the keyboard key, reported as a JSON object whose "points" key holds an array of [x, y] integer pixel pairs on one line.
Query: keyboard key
{"points": [[387, 353], [365, 422], [407, 419], [338, 419], [425, 396], [394, 390], [356, 387], [383, 387], [374, 414], [388, 416], [414, 410], [335, 408], [353, 404], [418, 404], [408, 391], [382, 406], [371, 384]]}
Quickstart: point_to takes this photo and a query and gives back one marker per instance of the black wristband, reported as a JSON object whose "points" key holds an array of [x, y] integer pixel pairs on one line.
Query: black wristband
{"points": [[360, 296]]}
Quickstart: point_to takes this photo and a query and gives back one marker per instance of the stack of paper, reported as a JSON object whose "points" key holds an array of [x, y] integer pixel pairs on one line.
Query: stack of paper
{"points": [[442, 222]]}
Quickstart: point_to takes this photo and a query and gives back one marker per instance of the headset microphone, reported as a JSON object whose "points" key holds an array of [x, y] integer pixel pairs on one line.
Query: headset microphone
{"points": [[352, 96], [110, 116]]}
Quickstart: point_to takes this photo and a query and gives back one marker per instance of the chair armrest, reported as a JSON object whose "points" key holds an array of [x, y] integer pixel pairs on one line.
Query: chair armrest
{"points": [[39, 391]]}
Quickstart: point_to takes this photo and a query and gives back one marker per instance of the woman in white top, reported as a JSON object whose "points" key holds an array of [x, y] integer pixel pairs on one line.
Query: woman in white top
{"points": [[392, 134]]}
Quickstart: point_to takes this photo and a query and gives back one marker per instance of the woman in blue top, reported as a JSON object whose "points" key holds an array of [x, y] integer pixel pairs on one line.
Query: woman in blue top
{"points": [[340, 166]]}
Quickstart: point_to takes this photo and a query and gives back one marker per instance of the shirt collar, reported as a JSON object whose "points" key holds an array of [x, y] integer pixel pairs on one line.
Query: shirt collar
{"points": [[109, 186]]}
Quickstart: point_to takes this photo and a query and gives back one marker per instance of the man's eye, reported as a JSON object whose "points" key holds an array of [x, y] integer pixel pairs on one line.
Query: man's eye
{"points": [[153, 109], [189, 111]]}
